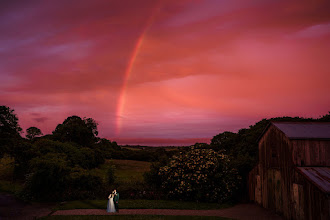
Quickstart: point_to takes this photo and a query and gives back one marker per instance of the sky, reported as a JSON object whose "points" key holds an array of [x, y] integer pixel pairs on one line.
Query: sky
{"points": [[164, 72]]}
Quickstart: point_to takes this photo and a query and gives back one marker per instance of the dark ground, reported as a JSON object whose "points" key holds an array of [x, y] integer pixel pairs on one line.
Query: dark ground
{"points": [[12, 208]]}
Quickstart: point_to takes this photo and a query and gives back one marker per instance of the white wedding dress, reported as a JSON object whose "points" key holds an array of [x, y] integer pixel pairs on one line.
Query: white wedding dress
{"points": [[111, 205]]}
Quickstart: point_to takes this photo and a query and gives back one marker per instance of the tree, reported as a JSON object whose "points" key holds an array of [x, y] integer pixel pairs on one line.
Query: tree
{"points": [[325, 117], [49, 177], [33, 132], [77, 130], [224, 141], [8, 122], [9, 129], [242, 146]]}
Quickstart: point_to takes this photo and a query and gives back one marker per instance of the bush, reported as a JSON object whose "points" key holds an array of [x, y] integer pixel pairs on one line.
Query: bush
{"points": [[49, 178], [84, 185], [111, 175], [200, 175]]}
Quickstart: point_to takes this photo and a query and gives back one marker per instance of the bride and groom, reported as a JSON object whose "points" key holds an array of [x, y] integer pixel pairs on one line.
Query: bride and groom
{"points": [[113, 202]]}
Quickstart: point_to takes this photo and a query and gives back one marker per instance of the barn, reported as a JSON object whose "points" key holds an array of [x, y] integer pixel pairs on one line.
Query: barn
{"points": [[293, 173]]}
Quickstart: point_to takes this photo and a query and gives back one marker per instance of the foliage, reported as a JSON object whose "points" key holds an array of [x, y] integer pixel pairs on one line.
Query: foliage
{"points": [[152, 177], [23, 154], [74, 129], [325, 117], [85, 185], [76, 155], [49, 177], [61, 171], [33, 132], [242, 146], [9, 129], [111, 175], [53, 177], [107, 147], [199, 175], [8, 122]]}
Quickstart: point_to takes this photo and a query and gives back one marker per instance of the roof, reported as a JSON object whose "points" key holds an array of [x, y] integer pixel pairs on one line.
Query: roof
{"points": [[319, 176], [304, 130]]}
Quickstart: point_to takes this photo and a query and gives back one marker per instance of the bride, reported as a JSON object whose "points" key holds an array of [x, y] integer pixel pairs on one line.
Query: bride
{"points": [[111, 204]]}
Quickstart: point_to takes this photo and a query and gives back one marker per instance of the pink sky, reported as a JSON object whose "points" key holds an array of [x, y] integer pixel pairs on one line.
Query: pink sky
{"points": [[164, 72]]}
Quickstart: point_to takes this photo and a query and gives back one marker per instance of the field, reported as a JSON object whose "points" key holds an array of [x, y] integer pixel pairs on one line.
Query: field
{"points": [[6, 168], [6, 176], [125, 170]]}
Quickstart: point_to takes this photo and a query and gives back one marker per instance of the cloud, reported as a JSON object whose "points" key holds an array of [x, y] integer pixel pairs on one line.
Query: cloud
{"points": [[40, 119], [203, 66]]}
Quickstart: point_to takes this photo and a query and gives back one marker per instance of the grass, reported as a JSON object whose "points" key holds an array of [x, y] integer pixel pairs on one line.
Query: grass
{"points": [[125, 170], [134, 217], [6, 176], [10, 187], [6, 168], [132, 148], [141, 204]]}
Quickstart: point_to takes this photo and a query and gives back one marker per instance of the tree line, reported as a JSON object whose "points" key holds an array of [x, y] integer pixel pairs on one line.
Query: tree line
{"points": [[58, 166]]}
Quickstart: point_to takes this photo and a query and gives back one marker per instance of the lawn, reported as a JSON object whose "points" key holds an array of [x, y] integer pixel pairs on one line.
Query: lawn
{"points": [[141, 204], [134, 217], [6, 176], [6, 168], [10, 187], [125, 170]]}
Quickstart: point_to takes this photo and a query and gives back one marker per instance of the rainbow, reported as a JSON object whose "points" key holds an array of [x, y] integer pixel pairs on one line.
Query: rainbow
{"points": [[128, 70]]}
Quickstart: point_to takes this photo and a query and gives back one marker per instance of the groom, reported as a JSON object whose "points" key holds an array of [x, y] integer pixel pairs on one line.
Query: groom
{"points": [[115, 200]]}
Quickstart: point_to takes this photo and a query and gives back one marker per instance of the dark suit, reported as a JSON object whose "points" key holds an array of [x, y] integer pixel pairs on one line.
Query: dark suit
{"points": [[116, 200]]}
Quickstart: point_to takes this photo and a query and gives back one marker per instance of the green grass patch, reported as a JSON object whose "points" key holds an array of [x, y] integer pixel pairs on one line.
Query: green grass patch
{"points": [[125, 170], [6, 176], [141, 204], [6, 168], [132, 148], [10, 187], [134, 217]]}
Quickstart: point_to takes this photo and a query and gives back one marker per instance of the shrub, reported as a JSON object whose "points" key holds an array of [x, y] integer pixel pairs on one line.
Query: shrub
{"points": [[199, 175], [49, 178], [84, 185], [111, 175]]}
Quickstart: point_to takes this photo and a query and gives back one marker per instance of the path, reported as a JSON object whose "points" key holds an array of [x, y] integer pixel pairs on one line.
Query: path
{"points": [[241, 211], [12, 208]]}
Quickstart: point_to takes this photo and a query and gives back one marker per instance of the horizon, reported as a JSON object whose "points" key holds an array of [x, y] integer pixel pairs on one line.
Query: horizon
{"points": [[164, 72], [172, 142]]}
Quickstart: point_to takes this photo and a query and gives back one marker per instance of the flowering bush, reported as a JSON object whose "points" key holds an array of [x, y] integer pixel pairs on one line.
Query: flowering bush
{"points": [[199, 175]]}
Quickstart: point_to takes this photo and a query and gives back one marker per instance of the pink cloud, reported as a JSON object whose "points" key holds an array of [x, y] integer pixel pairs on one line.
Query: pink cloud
{"points": [[203, 66]]}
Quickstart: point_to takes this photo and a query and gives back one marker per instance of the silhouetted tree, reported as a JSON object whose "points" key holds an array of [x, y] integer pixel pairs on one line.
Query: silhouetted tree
{"points": [[77, 130], [32, 132], [325, 117], [9, 130]]}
